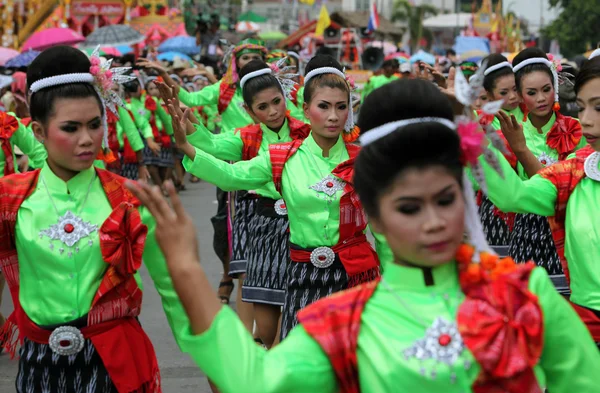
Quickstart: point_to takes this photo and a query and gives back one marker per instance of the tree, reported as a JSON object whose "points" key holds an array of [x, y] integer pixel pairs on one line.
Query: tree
{"points": [[413, 16], [577, 28]]}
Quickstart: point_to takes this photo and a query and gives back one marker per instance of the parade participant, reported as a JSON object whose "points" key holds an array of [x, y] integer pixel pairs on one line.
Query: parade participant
{"points": [[551, 137], [71, 241], [565, 190], [498, 84], [160, 167], [389, 70], [437, 321], [329, 250], [227, 94], [13, 133], [268, 237]]}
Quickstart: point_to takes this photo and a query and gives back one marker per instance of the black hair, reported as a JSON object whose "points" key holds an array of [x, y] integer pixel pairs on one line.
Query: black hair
{"points": [[420, 145], [131, 86], [590, 70], [489, 81], [257, 84], [323, 80], [450, 52], [390, 63], [530, 53], [58, 60]]}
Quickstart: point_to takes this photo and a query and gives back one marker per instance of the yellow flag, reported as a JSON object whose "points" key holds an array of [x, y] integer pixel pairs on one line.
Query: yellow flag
{"points": [[309, 2], [323, 22]]}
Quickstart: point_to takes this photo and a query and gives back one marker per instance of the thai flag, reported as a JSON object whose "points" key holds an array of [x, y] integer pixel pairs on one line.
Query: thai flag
{"points": [[373, 18]]}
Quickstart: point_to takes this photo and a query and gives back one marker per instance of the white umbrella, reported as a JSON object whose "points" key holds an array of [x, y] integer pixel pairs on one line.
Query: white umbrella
{"points": [[247, 27]]}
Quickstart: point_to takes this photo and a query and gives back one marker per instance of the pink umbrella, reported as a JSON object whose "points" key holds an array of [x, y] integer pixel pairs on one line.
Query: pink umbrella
{"points": [[51, 37], [7, 54], [111, 50]]}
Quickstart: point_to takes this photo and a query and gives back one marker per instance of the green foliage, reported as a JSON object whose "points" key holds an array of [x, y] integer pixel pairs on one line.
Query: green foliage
{"points": [[413, 16], [577, 28]]}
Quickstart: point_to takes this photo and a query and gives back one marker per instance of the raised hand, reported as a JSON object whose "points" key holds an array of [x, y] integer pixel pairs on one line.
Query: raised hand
{"points": [[512, 131], [152, 65], [181, 127]]}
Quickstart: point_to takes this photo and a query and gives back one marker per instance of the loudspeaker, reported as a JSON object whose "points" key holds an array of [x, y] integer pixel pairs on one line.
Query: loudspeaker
{"points": [[372, 58], [330, 33]]}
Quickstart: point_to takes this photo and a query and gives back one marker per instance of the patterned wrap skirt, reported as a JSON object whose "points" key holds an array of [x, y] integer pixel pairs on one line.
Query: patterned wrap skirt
{"points": [[244, 210], [497, 231], [531, 240], [149, 157], [43, 371], [306, 284], [268, 255]]}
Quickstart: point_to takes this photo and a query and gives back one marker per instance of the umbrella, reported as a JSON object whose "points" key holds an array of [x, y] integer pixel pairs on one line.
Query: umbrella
{"points": [[272, 36], [387, 47], [474, 55], [182, 44], [170, 56], [7, 53], [124, 49], [251, 17], [247, 27], [51, 37], [22, 60], [424, 57], [107, 50], [113, 35], [400, 56]]}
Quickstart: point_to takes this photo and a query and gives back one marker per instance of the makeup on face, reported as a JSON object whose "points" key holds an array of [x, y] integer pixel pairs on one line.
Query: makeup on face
{"points": [[328, 111], [269, 107], [588, 101], [506, 90], [537, 92]]}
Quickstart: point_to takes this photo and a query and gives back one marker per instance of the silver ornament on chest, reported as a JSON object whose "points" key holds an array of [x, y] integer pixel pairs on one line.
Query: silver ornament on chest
{"points": [[329, 185], [69, 229], [442, 343]]}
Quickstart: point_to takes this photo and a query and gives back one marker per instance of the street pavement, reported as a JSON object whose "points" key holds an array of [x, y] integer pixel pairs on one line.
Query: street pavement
{"points": [[179, 374]]}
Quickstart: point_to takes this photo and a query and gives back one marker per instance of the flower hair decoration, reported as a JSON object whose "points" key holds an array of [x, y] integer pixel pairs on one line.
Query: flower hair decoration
{"points": [[102, 77], [280, 71]]}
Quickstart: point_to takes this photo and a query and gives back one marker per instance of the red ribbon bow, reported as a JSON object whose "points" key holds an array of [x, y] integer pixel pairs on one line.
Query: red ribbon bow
{"points": [[564, 135], [150, 104], [122, 239], [501, 324]]}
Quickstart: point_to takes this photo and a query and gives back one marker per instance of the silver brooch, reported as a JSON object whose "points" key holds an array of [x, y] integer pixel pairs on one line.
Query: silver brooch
{"points": [[69, 229], [322, 257], [329, 185], [66, 341], [280, 207], [442, 343], [546, 160]]}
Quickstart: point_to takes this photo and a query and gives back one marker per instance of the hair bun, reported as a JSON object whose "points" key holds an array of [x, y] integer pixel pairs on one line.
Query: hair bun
{"points": [[321, 61], [58, 60]]}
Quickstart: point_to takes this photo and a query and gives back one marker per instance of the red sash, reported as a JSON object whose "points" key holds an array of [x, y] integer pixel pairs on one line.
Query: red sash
{"points": [[8, 126], [252, 135], [226, 92], [565, 175], [360, 261], [591, 320], [124, 347], [334, 322], [129, 156], [564, 136]]}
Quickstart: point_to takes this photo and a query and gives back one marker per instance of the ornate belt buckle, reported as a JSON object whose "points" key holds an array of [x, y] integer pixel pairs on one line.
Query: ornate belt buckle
{"points": [[280, 207], [322, 257], [66, 341]]}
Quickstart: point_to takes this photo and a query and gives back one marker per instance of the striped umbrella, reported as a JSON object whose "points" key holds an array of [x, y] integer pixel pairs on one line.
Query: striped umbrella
{"points": [[22, 60], [113, 35]]}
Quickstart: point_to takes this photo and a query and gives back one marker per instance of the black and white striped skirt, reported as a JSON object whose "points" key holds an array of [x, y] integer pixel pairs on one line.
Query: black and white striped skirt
{"points": [[149, 157], [244, 210], [531, 240], [130, 171], [42, 371], [268, 255], [495, 228], [305, 285]]}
